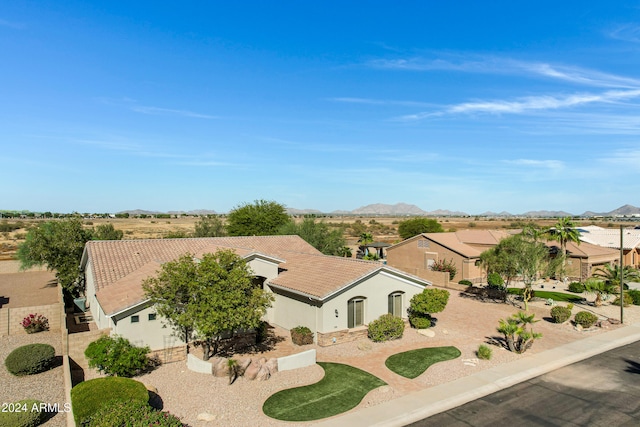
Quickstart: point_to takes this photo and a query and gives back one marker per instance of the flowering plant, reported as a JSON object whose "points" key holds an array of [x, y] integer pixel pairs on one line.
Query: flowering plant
{"points": [[35, 323]]}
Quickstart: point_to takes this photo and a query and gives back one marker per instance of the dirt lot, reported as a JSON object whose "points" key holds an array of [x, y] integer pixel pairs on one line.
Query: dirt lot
{"points": [[27, 289], [383, 229]]}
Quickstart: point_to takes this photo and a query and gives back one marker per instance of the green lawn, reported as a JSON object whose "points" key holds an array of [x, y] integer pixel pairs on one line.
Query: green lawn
{"points": [[341, 389], [556, 296], [413, 363]]}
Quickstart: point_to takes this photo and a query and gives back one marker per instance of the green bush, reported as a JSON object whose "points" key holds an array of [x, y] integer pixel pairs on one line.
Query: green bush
{"points": [[465, 282], [635, 296], [386, 327], [117, 356], [429, 301], [420, 322], [576, 287], [484, 352], [445, 266], [585, 319], [123, 413], [24, 413], [301, 335], [89, 397], [627, 300], [30, 359], [495, 280], [560, 314]]}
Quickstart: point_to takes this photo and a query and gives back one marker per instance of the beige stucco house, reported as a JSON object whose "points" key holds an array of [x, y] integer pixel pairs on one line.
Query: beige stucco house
{"points": [[335, 297], [416, 255], [610, 238]]}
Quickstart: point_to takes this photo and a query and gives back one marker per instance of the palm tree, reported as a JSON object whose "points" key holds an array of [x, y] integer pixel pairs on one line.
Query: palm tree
{"points": [[364, 240], [564, 231], [611, 274]]}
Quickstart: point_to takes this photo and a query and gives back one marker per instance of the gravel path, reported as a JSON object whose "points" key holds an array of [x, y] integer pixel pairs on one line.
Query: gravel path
{"points": [[465, 324], [48, 387]]}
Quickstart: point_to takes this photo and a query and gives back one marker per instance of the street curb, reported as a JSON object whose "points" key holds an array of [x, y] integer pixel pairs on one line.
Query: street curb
{"points": [[434, 400]]}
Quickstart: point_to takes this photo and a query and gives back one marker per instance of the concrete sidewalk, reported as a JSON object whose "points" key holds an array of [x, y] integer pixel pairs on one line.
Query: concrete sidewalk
{"points": [[425, 403]]}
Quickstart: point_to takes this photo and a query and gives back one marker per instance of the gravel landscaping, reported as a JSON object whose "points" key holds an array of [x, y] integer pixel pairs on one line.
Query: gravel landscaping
{"points": [[48, 387]]}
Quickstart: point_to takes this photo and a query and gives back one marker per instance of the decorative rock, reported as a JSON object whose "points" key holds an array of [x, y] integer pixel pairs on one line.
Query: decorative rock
{"points": [[252, 370], [614, 321], [427, 332], [364, 346], [578, 328], [243, 364], [206, 417], [221, 368], [272, 365], [264, 373], [151, 388]]}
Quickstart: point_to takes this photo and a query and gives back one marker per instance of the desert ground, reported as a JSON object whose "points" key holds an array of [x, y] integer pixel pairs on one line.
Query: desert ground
{"points": [[383, 228]]}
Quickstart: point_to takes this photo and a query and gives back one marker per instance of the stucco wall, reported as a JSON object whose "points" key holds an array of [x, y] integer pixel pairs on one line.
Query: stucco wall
{"points": [[145, 331], [263, 268], [289, 312]]}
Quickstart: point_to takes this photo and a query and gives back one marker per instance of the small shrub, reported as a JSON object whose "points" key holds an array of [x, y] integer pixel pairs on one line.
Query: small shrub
{"points": [[585, 319], [570, 306], [30, 359], [89, 397], [121, 413], [635, 296], [560, 314], [261, 332], [484, 352], [35, 323], [420, 322], [301, 335], [429, 301], [117, 356], [627, 300], [386, 327], [576, 287], [465, 282], [495, 280], [24, 413]]}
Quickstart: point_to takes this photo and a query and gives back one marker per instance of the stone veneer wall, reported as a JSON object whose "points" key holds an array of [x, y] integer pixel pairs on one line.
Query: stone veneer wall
{"points": [[342, 336], [11, 318], [170, 355]]}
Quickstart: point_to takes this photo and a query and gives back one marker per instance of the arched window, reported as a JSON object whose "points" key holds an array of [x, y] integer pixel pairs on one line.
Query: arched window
{"points": [[355, 312], [395, 303]]}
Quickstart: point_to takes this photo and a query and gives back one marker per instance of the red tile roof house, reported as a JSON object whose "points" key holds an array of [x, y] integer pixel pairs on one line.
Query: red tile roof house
{"points": [[335, 297], [416, 255]]}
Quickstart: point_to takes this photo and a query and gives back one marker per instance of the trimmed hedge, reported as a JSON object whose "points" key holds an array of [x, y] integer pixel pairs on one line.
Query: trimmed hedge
{"points": [[30, 359], [420, 322], [560, 314], [386, 327], [117, 356], [123, 413], [465, 282], [301, 335], [24, 413], [89, 397], [585, 319]]}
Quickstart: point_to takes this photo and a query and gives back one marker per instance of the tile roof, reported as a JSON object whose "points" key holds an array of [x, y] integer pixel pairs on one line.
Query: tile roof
{"points": [[120, 266], [610, 238], [463, 241]]}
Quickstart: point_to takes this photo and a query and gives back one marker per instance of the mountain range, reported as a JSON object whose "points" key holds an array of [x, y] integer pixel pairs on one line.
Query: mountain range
{"points": [[405, 209]]}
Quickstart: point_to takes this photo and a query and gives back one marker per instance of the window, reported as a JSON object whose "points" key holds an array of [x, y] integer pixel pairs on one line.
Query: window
{"points": [[135, 319], [152, 316], [355, 312], [395, 304]]}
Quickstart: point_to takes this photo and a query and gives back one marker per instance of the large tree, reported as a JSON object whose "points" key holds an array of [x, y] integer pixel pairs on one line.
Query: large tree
{"points": [[207, 298], [209, 227], [415, 226], [107, 232], [260, 218], [318, 235], [58, 245]]}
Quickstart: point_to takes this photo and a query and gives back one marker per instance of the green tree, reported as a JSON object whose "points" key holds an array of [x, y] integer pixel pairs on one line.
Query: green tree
{"points": [[58, 245], [518, 331], [260, 218], [415, 226], [426, 303], [209, 227], [117, 356], [209, 297], [317, 234], [564, 231], [107, 232]]}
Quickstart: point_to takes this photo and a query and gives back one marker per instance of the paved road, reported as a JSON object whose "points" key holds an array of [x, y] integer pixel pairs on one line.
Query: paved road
{"points": [[601, 391]]}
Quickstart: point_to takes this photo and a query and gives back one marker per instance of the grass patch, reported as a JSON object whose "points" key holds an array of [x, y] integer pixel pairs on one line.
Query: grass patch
{"points": [[556, 296], [341, 389], [411, 364]]}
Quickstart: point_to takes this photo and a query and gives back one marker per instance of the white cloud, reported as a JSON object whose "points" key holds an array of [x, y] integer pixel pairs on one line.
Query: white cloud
{"points": [[554, 165], [627, 32], [171, 112]]}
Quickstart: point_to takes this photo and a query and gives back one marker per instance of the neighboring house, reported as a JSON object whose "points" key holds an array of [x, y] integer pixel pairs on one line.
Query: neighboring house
{"points": [[335, 297], [610, 238], [417, 254]]}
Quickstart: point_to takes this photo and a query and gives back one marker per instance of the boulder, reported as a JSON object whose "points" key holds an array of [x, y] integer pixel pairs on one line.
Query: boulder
{"points": [[252, 370], [272, 364], [221, 368], [243, 364], [264, 373]]}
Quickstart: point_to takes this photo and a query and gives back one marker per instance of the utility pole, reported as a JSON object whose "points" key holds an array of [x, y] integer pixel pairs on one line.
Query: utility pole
{"points": [[621, 273]]}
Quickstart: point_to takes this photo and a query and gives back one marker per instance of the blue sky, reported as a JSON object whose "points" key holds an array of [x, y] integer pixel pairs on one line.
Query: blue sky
{"points": [[466, 106]]}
